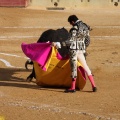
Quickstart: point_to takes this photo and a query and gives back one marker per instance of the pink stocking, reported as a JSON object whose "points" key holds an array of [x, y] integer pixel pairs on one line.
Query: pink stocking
{"points": [[73, 84], [92, 81]]}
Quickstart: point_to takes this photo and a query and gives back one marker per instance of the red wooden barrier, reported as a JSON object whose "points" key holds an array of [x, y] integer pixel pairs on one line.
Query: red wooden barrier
{"points": [[14, 3]]}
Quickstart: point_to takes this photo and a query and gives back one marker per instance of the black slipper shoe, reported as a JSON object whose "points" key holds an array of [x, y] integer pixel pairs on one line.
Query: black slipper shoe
{"points": [[70, 91], [94, 89]]}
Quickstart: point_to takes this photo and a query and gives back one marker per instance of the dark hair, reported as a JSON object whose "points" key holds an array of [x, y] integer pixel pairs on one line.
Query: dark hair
{"points": [[72, 18]]}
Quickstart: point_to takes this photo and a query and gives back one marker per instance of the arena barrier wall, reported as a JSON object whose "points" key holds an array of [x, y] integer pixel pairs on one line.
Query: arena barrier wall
{"points": [[14, 3], [74, 3]]}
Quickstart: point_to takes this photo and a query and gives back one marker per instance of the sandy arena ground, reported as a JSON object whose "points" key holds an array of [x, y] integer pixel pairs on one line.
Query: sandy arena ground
{"points": [[20, 100]]}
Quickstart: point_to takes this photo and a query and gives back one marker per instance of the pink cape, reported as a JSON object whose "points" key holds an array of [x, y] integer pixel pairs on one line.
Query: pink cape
{"points": [[38, 52]]}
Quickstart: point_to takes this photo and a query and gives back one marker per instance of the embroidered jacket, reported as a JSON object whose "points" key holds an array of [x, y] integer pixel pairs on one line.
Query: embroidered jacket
{"points": [[79, 36]]}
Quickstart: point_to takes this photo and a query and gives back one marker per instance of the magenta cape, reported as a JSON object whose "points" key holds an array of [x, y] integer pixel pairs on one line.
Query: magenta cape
{"points": [[38, 52]]}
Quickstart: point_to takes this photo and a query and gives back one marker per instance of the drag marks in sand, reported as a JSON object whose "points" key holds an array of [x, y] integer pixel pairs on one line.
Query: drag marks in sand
{"points": [[23, 37], [7, 63], [52, 108], [49, 27], [55, 27]]}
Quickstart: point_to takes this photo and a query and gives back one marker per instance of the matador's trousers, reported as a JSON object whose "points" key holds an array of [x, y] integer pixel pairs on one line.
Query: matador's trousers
{"points": [[77, 55]]}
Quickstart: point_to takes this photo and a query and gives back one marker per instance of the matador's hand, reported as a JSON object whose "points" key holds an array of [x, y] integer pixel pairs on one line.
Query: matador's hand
{"points": [[56, 44]]}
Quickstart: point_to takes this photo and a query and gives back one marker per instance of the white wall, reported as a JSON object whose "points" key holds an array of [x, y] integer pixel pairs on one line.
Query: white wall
{"points": [[74, 3]]}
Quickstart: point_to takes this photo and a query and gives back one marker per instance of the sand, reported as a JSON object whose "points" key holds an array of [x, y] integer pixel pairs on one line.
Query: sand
{"points": [[21, 100]]}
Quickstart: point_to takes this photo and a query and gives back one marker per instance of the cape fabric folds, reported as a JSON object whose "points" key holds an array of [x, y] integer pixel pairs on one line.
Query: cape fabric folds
{"points": [[50, 68]]}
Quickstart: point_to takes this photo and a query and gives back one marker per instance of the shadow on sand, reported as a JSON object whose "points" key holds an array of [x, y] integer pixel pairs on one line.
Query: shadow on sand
{"points": [[14, 77]]}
